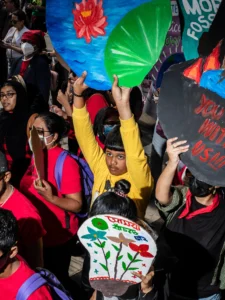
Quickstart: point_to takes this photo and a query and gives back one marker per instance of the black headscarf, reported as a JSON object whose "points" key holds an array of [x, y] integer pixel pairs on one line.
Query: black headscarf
{"points": [[13, 127]]}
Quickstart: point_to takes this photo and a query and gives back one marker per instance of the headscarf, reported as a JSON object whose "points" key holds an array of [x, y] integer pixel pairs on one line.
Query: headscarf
{"points": [[35, 37]]}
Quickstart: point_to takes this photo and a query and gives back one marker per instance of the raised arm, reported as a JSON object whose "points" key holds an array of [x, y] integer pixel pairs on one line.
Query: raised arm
{"points": [[83, 128], [136, 160], [174, 149]]}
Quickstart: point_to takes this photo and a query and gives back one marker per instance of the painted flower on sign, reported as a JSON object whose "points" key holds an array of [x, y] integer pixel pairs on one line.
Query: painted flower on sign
{"points": [[94, 235], [141, 249], [100, 223], [89, 19], [121, 239]]}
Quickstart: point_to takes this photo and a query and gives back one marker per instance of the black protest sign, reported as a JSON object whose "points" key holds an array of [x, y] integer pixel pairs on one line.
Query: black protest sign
{"points": [[196, 114]]}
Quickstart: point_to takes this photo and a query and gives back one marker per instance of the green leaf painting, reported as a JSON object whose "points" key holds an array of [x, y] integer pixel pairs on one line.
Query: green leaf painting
{"points": [[135, 44], [104, 267], [130, 256], [120, 257], [115, 247], [124, 265], [107, 256]]}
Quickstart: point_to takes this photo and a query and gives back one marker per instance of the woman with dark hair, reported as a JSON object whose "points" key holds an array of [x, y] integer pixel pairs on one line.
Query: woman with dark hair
{"points": [[13, 122], [124, 156], [12, 40], [117, 202], [57, 207], [34, 68]]}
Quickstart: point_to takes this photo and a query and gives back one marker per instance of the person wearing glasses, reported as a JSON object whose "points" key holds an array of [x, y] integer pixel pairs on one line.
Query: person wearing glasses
{"points": [[57, 207], [14, 116], [12, 41]]}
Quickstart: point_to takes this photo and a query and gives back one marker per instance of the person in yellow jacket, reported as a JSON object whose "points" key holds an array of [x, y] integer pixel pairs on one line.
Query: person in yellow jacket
{"points": [[123, 157]]}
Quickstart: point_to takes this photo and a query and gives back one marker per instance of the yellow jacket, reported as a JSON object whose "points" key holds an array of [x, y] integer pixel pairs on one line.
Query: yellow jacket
{"points": [[138, 171]]}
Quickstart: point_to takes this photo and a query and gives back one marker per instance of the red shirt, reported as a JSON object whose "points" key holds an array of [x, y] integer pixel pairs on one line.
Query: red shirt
{"points": [[94, 104], [9, 286], [29, 221], [25, 64], [53, 217]]}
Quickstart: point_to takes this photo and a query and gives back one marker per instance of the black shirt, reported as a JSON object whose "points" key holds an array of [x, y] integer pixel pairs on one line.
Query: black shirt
{"points": [[196, 243]]}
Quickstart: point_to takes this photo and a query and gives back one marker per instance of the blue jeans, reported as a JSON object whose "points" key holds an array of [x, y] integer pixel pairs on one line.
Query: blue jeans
{"points": [[213, 297]]}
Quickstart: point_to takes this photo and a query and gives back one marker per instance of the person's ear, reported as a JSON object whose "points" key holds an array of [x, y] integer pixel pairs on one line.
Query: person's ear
{"points": [[7, 176], [13, 252], [55, 137]]}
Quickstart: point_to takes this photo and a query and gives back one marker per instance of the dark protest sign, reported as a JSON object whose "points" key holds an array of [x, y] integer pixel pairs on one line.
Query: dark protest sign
{"points": [[194, 113]]}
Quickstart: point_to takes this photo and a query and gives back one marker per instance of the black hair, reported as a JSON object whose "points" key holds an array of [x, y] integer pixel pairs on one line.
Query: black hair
{"points": [[136, 104], [113, 203], [21, 96], [8, 230], [55, 124], [20, 15], [99, 122], [114, 141]]}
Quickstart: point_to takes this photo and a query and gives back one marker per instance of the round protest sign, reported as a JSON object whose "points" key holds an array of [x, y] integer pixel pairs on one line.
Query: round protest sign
{"points": [[117, 247], [192, 108]]}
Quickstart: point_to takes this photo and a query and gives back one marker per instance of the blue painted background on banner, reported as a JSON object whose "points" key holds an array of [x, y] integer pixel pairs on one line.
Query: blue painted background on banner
{"points": [[77, 52]]}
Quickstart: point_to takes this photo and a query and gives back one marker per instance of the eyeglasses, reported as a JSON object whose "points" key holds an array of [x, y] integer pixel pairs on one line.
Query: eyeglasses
{"points": [[40, 131], [8, 95]]}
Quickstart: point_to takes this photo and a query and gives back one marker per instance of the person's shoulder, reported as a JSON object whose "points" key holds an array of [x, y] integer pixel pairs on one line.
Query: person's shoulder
{"points": [[71, 163], [25, 29], [27, 209], [11, 30], [24, 272]]}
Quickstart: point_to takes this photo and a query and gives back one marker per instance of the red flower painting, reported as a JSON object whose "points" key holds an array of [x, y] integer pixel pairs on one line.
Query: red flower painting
{"points": [[141, 249], [89, 19]]}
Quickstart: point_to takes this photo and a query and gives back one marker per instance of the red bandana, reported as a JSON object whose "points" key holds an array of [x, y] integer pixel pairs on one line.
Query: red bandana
{"points": [[186, 213]]}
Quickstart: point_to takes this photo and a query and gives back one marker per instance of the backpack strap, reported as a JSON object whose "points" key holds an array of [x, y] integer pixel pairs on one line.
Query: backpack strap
{"points": [[33, 283], [59, 168]]}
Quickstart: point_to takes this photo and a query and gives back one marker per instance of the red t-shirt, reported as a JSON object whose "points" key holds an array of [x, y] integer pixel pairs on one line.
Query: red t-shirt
{"points": [[29, 221], [9, 286], [94, 104], [53, 217]]}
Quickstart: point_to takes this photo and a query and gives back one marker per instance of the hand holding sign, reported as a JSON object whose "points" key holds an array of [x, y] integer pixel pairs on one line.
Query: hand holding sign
{"points": [[175, 148]]}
